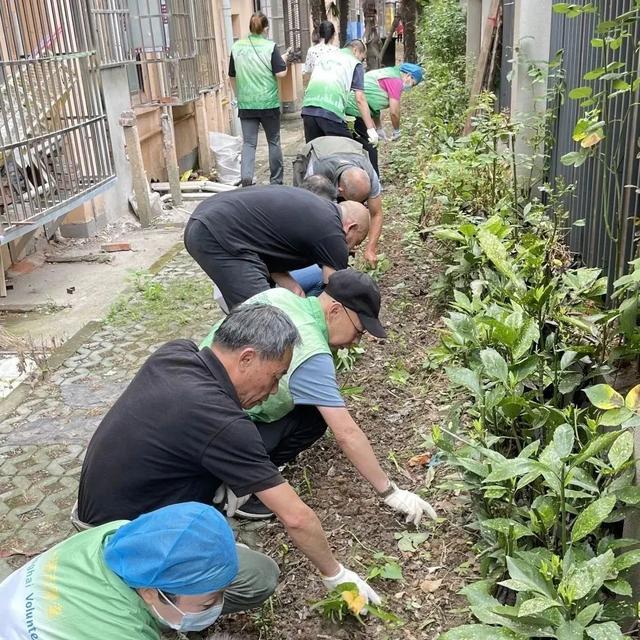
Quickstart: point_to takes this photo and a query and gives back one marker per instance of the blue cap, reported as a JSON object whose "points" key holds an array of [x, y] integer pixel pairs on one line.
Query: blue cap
{"points": [[414, 70], [184, 549]]}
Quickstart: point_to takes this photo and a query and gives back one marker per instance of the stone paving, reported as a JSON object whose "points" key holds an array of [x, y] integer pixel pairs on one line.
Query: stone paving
{"points": [[42, 442]]}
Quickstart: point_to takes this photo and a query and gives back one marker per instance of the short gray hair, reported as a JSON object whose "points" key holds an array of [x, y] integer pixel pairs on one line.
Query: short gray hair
{"points": [[262, 327], [321, 186]]}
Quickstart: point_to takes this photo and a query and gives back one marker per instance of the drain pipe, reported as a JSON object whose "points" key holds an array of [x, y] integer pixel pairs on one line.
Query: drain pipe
{"points": [[228, 32]]}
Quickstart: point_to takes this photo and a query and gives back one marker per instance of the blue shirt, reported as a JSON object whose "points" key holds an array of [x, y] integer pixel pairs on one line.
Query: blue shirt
{"points": [[314, 383]]}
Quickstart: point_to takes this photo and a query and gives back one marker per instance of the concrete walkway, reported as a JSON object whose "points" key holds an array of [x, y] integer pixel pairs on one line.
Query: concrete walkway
{"points": [[44, 429]]}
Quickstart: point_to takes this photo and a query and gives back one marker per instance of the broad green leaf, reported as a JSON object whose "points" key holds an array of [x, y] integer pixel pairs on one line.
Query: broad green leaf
{"points": [[563, 439], [567, 358], [574, 158], [603, 396], [632, 401], [620, 587], [592, 517], [465, 378], [536, 605], [627, 560], [528, 335], [448, 234], [495, 365], [480, 632], [473, 466], [515, 585], [525, 572], [629, 495], [391, 571], [605, 631], [409, 541], [545, 509], [571, 630], [615, 417], [511, 469], [507, 527], [580, 92], [570, 382], [587, 615], [621, 450], [594, 74], [603, 441], [497, 253]]}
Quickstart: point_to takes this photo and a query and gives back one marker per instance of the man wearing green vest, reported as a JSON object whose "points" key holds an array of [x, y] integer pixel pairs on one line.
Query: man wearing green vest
{"points": [[308, 398], [383, 89], [254, 66], [175, 567], [334, 76]]}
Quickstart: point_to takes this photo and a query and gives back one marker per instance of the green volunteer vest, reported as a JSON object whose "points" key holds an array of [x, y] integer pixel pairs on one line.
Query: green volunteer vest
{"points": [[377, 97], [330, 82], [69, 593], [256, 86], [308, 318]]}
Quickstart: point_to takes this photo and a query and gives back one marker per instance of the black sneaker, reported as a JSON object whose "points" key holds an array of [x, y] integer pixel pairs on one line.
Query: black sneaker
{"points": [[253, 509]]}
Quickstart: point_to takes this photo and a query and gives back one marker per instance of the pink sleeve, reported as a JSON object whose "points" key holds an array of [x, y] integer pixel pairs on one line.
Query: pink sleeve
{"points": [[392, 86]]}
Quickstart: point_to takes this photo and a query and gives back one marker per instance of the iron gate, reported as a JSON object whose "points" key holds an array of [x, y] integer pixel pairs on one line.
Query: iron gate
{"points": [[54, 146]]}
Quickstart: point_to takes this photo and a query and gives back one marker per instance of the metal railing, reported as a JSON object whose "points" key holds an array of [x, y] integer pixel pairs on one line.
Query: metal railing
{"points": [[110, 26], [599, 210], [207, 72], [54, 147]]}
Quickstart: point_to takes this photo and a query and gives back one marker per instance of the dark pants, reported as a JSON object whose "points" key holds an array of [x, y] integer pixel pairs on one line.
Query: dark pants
{"points": [[361, 136], [250, 126], [238, 277], [316, 126], [284, 439]]}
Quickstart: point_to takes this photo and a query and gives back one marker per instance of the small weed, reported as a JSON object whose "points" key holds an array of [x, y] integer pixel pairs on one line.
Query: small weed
{"points": [[399, 375], [346, 358], [384, 567]]}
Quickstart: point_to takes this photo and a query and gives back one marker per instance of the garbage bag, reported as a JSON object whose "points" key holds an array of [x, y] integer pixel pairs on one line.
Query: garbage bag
{"points": [[226, 152]]}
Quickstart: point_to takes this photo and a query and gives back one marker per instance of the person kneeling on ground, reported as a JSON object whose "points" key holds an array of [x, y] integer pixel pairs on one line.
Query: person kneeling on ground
{"points": [[179, 432], [247, 239], [171, 568], [346, 164], [308, 398]]}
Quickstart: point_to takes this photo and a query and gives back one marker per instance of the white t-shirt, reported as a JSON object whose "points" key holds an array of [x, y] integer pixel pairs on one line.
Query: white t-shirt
{"points": [[314, 54]]}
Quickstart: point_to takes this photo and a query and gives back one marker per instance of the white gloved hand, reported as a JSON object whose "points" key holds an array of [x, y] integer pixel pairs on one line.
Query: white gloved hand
{"points": [[410, 504], [372, 134], [229, 500], [396, 134], [345, 575], [382, 134]]}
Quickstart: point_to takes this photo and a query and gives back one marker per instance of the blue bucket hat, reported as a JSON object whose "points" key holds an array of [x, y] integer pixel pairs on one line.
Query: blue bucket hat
{"points": [[183, 549], [414, 70]]}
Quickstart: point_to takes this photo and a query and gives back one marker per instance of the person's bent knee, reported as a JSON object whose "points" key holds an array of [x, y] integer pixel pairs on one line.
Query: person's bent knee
{"points": [[269, 576]]}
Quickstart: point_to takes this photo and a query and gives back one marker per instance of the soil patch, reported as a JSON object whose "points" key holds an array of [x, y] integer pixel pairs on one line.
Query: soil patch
{"points": [[396, 400]]}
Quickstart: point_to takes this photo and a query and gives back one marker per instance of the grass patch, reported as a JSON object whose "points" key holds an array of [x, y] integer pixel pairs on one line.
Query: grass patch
{"points": [[162, 305]]}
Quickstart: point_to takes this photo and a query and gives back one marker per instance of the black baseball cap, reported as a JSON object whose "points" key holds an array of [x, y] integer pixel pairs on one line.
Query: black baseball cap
{"points": [[358, 291]]}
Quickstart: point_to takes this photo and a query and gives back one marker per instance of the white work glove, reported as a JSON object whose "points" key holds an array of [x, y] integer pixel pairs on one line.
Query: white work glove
{"points": [[229, 500], [411, 504], [372, 134], [396, 134], [345, 575], [381, 134]]}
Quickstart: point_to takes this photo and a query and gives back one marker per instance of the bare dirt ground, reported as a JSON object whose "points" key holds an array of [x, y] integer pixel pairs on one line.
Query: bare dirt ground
{"points": [[396, 401]]}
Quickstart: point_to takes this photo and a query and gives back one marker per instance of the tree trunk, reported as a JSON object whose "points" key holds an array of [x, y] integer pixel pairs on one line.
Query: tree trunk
{"points": [[343, 8], [409, 10], [318, 12]]}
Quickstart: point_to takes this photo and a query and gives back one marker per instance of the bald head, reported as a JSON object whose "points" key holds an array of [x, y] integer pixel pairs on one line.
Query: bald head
{"points": [[354, 184], [355, 222]]}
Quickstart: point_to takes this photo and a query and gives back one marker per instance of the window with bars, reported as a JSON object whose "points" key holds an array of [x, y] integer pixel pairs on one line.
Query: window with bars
{"points": [[110, 26], [54, 147]]}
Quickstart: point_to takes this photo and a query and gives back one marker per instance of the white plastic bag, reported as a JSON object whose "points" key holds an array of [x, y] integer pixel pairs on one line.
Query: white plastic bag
{"points": [[226, 152]]}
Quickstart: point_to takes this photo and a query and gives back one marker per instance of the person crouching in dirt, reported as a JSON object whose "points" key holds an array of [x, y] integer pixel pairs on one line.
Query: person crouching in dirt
{"points": [[167, 568], [345, 163], [179, 433], [308, 398]]}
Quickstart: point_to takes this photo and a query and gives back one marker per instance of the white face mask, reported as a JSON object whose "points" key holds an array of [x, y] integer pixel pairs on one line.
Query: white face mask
{"points": [[191, 621]]}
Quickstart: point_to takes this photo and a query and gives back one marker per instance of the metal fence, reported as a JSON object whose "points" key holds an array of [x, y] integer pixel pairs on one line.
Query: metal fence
{"points": [[110, 26], [54, 147], [288, 22], [617, 206]]}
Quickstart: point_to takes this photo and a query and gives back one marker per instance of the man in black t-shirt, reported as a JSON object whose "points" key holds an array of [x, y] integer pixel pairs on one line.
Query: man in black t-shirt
{"points": [[179, 432], [245, 240]]}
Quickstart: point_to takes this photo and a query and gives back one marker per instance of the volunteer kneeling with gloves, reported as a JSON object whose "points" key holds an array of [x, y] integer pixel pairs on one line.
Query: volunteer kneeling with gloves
{"points": [[167, 568]]}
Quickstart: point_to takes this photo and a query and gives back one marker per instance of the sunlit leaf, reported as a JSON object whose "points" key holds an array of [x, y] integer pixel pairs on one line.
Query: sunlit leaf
{"points": [[621, 450], [603, 396], [592, 517]]}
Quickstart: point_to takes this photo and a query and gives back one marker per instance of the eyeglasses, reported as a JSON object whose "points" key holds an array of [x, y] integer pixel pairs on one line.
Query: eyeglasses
{"points": [[360, 332]]}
